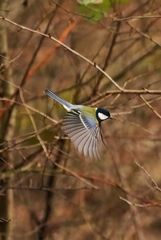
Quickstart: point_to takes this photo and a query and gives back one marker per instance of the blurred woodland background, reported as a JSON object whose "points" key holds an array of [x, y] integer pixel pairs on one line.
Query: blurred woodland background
{"points": [[48, 191]]}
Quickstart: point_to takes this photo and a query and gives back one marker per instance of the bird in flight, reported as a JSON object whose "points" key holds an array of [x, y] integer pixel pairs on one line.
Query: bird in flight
{"points": [[83, 126]]}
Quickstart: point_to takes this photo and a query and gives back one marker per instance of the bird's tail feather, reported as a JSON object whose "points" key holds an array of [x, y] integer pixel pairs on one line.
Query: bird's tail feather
{"points": [[66, 105]]}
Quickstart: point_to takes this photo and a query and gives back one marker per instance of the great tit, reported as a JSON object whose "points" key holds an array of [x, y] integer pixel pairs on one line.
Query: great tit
{"points": [[83, 125]]}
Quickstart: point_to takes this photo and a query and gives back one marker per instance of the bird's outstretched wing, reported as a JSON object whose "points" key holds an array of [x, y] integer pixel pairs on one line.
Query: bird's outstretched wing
{"points": [[84, 133]]}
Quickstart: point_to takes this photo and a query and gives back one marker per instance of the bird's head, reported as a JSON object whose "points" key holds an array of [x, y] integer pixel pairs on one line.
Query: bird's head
{"points": [[102, 114]]}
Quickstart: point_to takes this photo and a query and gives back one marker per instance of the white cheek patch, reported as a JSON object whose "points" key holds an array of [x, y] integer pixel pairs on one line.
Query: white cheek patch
{"points": [[102, 116]]}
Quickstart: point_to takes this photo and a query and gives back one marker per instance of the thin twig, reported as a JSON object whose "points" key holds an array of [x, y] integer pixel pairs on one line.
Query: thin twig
{"points": [[149, 176], [63, 45], [150, 106]]}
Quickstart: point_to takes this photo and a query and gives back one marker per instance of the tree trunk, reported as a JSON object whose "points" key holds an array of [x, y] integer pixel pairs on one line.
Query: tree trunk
{"points": [[6, 197]]}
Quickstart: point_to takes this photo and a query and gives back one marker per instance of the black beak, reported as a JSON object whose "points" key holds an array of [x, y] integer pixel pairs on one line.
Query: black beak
{"points": [[112, 118]]}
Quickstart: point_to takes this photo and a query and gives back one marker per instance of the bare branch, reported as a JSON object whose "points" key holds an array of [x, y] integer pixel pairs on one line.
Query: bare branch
{"points": [[63, 45]]}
